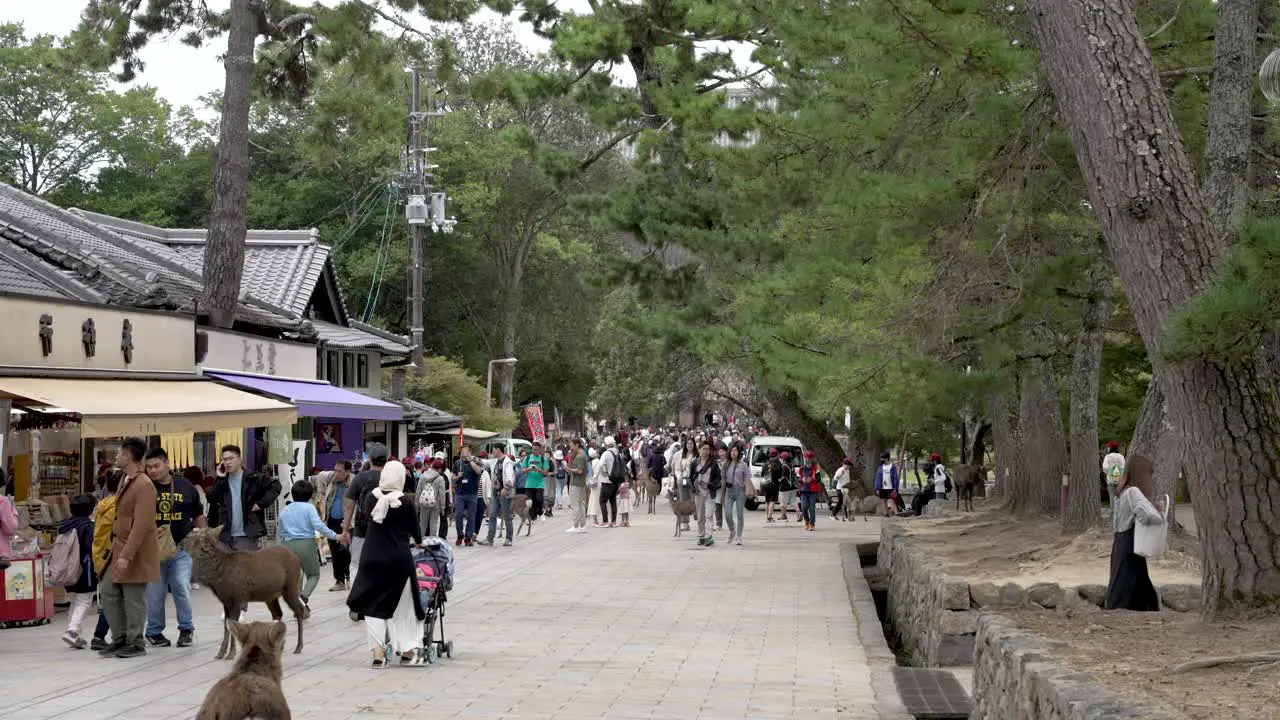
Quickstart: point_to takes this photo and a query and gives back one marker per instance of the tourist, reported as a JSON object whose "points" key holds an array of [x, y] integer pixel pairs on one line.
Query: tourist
{"points": [[385, 592], [1113, 468], [612, 474], [431, 494], [578, 467], [722, 459], [80, 593], [562, 477], [483, 493], [940, 479], [1130, 586], [135, 555], [808, 485], [683, 463], [504, 483], [537, 467], [737, 479], [771, 478], [657, 462], [177, 506], [354, 520], [332, 492], [704, 478], [8, 522], [104, 518], [887, 484], [238, 501], [466, 489], [297, 527], [624, 504], [593, 484]]}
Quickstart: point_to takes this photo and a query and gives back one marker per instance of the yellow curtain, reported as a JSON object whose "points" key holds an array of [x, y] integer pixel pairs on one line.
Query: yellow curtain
{"points": [[227, 436], [181, 449]]}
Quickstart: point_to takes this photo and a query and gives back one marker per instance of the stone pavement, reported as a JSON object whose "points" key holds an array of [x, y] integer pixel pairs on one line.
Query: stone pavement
{"points": [[625, 623]]}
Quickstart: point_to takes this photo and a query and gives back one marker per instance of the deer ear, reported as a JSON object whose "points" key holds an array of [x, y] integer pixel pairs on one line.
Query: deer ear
{"points": [[277, 634], [240, 630]]}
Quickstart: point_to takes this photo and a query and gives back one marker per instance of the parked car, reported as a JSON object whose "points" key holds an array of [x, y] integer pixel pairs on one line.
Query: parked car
{"points": [[758, 456], [513, 446]]}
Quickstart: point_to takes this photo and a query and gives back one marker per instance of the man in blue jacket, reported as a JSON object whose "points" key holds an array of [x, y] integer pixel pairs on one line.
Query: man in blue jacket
{"points": [[887, 484]]}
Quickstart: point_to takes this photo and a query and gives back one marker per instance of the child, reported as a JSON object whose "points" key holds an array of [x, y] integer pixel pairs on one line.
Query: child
{"points": [[81, 593], [104, 523], [624, 503], [297, 527]]}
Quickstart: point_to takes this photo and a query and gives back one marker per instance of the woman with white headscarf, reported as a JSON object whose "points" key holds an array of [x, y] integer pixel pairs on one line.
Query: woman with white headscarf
{"points": [[385, 591]]}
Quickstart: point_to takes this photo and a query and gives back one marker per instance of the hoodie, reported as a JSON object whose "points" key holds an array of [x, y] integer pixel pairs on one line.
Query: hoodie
{"points": [[83, 527]]}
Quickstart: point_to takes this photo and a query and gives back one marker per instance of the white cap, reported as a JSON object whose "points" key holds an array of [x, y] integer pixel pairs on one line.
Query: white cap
{"points": [[439, 455], [609, 441], [592, 454], [557, 455]]}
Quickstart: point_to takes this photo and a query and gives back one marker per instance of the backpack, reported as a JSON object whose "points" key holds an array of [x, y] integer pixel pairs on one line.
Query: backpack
{"points": [[427, 498], [64, 566], [618, 471]]}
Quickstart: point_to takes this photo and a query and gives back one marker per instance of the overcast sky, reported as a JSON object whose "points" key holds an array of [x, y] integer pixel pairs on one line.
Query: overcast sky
{"points": [[181, 74]]}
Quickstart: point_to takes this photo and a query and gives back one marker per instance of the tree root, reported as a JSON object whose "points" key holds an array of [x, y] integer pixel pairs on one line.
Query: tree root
{"points": [[1271, 656]]}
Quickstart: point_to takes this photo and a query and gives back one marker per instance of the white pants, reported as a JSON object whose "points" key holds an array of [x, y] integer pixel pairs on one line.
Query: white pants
{"points": [[80, 603], [404, 630], [357, 545]]}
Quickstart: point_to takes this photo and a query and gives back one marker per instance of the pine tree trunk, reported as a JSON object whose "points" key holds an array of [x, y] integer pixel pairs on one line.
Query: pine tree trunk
{"points": [[872, 446], [1009, 470], [1156, 439], [229, 216], [811, 431], [1228, 146], [1141, 186], [1084, 506], [1043, 442]]}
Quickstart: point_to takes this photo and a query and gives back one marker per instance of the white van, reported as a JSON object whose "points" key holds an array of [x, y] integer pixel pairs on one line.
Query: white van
{"points": [[513, 446], [758, 455]]}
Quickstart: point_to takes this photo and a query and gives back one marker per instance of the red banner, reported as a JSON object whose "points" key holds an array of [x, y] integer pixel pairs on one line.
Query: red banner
{"points": [[462, 439], [533, 413]]}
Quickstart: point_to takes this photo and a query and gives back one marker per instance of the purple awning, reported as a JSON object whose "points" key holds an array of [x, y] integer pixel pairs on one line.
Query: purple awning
{"points": [[316, 399]]}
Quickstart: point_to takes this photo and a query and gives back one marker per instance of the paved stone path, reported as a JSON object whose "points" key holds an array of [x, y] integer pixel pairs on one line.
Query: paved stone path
{"points": [[624, 623]]}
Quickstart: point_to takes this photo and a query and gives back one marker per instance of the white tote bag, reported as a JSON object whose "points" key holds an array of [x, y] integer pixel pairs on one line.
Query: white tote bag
{"points": [[1151, 540]]}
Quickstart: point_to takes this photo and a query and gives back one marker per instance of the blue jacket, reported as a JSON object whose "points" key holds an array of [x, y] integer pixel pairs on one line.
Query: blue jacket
{"points": [[893, 477]]}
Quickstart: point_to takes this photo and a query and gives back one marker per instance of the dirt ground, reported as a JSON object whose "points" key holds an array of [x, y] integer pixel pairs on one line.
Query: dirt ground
{"points": [[1130, 653], [987, 545]]}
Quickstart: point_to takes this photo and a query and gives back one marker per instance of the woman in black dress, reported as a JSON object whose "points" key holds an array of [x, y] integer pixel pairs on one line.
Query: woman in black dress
{"points": [[1130, 587], [385, 591]]}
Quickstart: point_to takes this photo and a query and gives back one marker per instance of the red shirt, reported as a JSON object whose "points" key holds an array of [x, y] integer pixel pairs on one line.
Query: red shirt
{"points": [[807, 478]]}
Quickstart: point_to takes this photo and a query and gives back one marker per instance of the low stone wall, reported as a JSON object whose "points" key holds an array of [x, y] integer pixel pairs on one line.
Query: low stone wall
{"points": [[1015, 676], [935, 614]]}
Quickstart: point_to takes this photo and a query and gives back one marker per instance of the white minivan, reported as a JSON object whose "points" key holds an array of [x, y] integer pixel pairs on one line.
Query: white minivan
{"points": [[758, 455], [513, 446]]}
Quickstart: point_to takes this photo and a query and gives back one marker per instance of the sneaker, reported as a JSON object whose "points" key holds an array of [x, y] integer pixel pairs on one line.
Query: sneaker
{"points": [[355, 616], [737, 541], [458, 543], [506, 543], [484, 542], [185, 638], [571, 530], [158, 641], [599, 525], [113, 648], [98, 644], [132, 651], [338, 586], [471, 542], [613, 524], [70, 637]]}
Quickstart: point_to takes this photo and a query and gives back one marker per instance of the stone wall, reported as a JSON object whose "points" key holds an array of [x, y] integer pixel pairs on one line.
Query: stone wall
{"points": [[1015, 676], [935, 614]]}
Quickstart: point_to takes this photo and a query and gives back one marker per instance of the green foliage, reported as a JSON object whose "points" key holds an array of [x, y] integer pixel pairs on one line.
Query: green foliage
{"points": [[447, 385], [1228, 320], [59, 121]]}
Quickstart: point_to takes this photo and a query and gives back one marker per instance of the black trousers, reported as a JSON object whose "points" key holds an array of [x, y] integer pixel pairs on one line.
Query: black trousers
{"points": [[339, 554], [608, 502]]}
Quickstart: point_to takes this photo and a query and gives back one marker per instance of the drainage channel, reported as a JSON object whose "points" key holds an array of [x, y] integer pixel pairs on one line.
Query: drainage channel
{"points": [[927, 693]]}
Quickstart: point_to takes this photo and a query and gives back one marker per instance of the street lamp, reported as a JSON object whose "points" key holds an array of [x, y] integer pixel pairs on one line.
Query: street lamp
{"points": [[488, 386]]}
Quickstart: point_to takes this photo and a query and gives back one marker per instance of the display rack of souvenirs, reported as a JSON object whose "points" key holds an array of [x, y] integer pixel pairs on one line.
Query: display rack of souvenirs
{"points": [[59, 473]]}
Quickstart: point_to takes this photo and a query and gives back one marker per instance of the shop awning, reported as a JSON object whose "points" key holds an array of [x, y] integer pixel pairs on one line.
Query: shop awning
{"points": [[315, 398], [119, 408]]}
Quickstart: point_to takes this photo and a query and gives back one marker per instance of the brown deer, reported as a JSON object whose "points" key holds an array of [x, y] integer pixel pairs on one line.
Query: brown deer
{"points": [[683, 510], [251, 691], [965, 480], [237, 578], [520, 509]]}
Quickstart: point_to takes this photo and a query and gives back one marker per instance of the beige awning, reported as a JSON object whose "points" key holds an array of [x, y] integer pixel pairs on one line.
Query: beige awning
{"points": [[119, 408]]}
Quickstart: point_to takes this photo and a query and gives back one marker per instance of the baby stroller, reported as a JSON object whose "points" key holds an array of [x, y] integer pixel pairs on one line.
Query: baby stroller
{"points": [[434, 566]]}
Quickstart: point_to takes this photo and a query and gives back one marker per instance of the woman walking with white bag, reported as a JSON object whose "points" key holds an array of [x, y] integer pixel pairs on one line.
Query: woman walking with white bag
{"points": [[1130, 587]]}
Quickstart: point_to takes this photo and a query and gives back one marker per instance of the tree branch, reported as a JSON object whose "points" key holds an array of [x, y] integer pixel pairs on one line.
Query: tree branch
{"points": [[1167, 23], [721, 82], [396, 20], [1179, 72], [590, 160], [800, 347]]}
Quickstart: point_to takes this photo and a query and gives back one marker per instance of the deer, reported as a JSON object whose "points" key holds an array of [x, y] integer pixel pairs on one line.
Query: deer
{"points": [[520, 509], [965, 480], [252, 688], [237, 578], [683, 510]]}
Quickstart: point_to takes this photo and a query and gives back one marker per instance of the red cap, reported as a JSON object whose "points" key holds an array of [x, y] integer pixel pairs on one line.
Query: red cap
{"points": [[935, 457], [437, 464], [808, 454], [848, 461], [484, 454], [1113, 445], [786, 456], [773, 452]]}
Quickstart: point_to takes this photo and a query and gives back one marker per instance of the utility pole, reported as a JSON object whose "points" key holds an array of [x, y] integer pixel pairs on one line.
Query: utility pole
{"points": [[423, 207]]}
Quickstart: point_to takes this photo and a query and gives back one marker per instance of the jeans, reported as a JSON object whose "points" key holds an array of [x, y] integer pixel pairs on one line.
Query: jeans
{"points": [[175, 577], [578, 499], [719, 515], [465, 516], [562, 485], [339, 554], [809, 507], [500, 507], [480, 513], [735, 499], [700, 511], [608, 502], [126, 607], [100, 632], [429, 520]]}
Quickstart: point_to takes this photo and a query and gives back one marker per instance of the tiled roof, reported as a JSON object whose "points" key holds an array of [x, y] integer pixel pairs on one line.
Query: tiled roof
{"points": [[24, 274], [427, 418], [281, 267], [125, 270], [360, 336]]}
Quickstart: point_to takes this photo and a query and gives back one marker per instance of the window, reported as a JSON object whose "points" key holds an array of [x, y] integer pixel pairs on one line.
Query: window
{"points": [[333, 372], [348, 369], [362, 370], [320, 374], [206, 455]]}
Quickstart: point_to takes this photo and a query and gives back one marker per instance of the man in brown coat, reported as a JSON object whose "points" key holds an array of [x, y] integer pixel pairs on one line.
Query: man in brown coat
{"points": [[135, 555]]}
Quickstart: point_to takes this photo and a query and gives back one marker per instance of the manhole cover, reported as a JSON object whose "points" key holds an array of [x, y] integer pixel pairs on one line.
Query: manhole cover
{"points": [[931, 694]]}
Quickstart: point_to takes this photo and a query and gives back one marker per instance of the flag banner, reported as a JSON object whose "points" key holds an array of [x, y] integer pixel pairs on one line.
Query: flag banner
{"points": [[461, 436], [533, 413]]}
